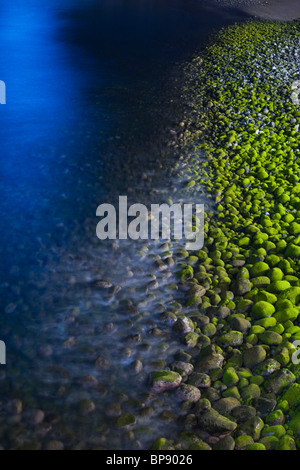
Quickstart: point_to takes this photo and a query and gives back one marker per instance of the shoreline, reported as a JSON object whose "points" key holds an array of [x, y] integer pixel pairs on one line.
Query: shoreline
{"points": [[278, 10], [275, 10]]}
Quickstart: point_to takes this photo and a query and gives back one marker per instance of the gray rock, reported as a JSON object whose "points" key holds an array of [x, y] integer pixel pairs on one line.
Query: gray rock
{"points": [[183, 368], [254, 356], [264, 406], [243, 413], [227, 443], [199, 380], [240, 324], [278, 381], [243, 286], [215, 424], [224, 406], [209, 362], [211, 394], [267, 367], [252, 427], [188, 392], [184, 325]]}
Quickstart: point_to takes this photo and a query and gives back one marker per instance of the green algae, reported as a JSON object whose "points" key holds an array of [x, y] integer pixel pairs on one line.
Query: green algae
{"points": [[242, 118]]}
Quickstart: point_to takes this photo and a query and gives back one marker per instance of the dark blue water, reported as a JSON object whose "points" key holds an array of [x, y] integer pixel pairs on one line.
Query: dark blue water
{"points": [[89, 103]]}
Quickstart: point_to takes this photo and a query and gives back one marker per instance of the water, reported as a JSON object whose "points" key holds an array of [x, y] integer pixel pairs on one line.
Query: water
{"points": [[90, 103]]}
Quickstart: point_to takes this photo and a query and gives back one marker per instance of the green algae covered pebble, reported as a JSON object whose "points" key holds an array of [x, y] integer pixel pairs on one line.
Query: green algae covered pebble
{"points": [[267, 322], [292, 395], [286, 314], [292, 294], [270, 442], [259, 269], [243, 441], [162, 444], [165, 380], [230, 377], [286, 443], [275, 417], [279, 286], [276, 274], [293, 251], [186, 273], [127, 419], [262, 309], [233, 338], [200, 445], [256, 446], [271, 338], [261, 282], [277, 431], [266, 296], [294, 424]]}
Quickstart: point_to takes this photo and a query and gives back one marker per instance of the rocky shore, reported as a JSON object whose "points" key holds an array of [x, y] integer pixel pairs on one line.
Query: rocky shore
{"points": [[237, 380], [266, 9]]}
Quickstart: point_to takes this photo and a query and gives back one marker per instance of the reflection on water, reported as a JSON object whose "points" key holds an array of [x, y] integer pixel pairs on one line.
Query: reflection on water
{"points": [[89, 97]]}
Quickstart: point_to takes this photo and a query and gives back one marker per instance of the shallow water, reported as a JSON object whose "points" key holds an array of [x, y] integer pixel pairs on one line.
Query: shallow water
{"points": [[90, 106]]}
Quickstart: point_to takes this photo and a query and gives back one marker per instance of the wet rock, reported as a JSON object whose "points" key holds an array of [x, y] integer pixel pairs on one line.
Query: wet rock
{"points": [[89, 381], [183, 368], [264, 406], [102, 362], [113, 410], [240, 324], [215, 424], [199, 380], [202, 405], [233, 338], [191, 339], [126, 420], [225, 406], [133, 339], [136, 367], [250, 392], [86, 407], [46, 351], [184, 325], [168, 416], [211, 394], [243, 413], [164, 380], [188, 392], [35, 417], [14, 406], [254, 356], [163, 444], [242, 286], [252, 427], [267, 367], [227, 443], [200, 445], [208, 361], [54, 445], [278, 381]]}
